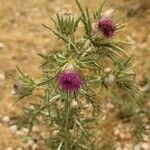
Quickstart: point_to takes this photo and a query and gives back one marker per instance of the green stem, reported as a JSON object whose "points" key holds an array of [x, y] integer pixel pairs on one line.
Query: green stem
{"points": [[68, 103]]}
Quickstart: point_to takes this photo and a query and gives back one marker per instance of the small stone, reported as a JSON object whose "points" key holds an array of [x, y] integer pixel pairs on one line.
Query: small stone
{"points": [[30, 143], [43, 135], [35, 129], [9, 148], [1, 45], [145, 138], [55, 132], [6, 119], [118, 144], [118, 148], [110, 79], [125, 136], [34, 147], [122, 135], [13, 128], [108, 12], [13, 92], [31, 107], [128, 136], [19, 148], [107, 70], [145, 146], [25, 130], [19, 133], [109, 105], [125, 148], [46, 113], [87, 106], [116, 132], [2, 76], [74, 103], [147, 127], [137, 147], [128, 145]]}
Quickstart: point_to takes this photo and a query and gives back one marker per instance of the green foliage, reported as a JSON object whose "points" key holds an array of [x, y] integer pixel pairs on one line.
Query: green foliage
{"points": [[108, 146], [25, 85], [127, 110], [66, 24], [89, 54]]}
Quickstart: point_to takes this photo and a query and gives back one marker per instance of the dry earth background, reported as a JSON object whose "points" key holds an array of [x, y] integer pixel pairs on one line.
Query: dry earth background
{"points": [[22, 37]]}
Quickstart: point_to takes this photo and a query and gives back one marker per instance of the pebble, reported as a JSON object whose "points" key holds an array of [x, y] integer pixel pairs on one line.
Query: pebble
{"points": [[25, 130], [1, 45], [125, 136], [13, 128], [108, 12], [109, 105], [137, 147], [30, 143], [145, 146], [125, 148], [74, 103], [107, 70], [34, 147], [145, 138], [13, 92], [55, 132], [19, 133], [87, 106], [147, 127], [31, 107], [6, 119], [43, 135], [110, 79], [122, 135], [9, 148], [35, 129], [2, 76], [116, 132], [19, 148], [118, 148]]}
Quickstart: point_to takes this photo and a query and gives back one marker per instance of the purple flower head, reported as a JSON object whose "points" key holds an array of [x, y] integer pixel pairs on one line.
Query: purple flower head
{"points": [[107, 27], [70, 80]]}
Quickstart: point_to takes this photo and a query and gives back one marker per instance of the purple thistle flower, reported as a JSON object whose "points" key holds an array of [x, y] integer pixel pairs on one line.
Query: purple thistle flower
{"points": [[107, 27], [70, 80]]}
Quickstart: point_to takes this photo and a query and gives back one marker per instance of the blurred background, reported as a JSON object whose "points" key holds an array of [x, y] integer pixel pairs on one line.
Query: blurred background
{"points": [[22, 36]]}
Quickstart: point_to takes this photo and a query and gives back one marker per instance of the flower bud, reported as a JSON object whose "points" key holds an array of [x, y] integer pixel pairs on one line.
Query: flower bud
{"points": [[70, 80], [107, 27], [19, 87]]}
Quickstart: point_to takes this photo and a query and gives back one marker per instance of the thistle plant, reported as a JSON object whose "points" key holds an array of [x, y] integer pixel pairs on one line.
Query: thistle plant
{"points": [[73, 77]]}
